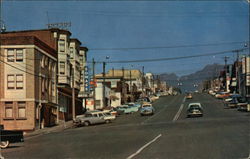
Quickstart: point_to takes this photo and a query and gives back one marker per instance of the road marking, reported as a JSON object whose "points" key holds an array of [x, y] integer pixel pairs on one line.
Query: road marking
{"points": [[178, 113], [154, 115], [184, 100], [158, 112], [143, 147]]}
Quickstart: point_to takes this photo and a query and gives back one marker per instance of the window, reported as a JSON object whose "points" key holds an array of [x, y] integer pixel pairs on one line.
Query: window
{"points": [[10, 55], [62, 67], [113, 84], [8, 110], [62, 45], [43, 85], [71, 52], [21, 110], [19, 55], [42, 61], [10, 82], [19, 81], [98, 102], [53, 88]]}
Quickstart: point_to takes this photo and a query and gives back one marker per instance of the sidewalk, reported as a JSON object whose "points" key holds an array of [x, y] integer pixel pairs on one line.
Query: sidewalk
{"points": [[62, 126]]}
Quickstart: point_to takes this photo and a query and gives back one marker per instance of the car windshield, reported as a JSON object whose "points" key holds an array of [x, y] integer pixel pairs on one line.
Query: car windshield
{"points": [[194, 107]]}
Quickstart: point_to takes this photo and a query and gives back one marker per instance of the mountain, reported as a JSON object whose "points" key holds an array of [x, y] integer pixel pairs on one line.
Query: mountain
{"points": [[192, 81]]}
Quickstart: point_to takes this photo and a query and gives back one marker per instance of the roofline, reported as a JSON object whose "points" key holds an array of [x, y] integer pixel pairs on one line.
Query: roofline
{"points": [[51, 29]]}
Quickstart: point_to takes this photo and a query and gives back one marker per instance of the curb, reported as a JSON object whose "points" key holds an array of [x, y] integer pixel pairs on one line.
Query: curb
{"points": [[59, 129]]}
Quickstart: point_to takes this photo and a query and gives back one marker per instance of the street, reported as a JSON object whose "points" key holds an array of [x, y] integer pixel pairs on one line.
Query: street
{"points": [[220, 134]]}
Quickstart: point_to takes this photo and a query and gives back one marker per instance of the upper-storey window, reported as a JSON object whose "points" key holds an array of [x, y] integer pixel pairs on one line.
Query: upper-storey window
{"points": [[10, 55], [14, 55], [62, 67], [19, 55], [62, 45], [71, 52], [11, 81], [19, 81]]}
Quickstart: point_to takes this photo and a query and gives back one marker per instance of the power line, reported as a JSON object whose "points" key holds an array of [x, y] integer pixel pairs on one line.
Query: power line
{"points": [[173, 58], [168, 47], [23, 70]]}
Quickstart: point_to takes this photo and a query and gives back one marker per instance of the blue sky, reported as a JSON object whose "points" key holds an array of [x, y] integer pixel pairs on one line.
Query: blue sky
{"points": [[142, 24]]}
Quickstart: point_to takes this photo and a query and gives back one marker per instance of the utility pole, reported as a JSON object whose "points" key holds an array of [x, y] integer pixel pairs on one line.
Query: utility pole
{"points": [[143, 81], [73, 94], [226, 85], [130, 85], [123, 92], [103, 85], [93, 67]]}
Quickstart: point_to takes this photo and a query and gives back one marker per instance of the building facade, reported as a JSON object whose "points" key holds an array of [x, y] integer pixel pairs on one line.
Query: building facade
{"points": [[54, 60], [28, 94]]}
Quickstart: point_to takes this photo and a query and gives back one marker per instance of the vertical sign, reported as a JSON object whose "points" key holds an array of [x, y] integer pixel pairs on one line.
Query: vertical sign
{"points": [[86, 79]]}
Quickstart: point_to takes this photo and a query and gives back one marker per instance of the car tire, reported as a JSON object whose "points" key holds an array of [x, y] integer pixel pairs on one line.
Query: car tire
{"points": [[4, 144], [108, 121], [86, 123]]}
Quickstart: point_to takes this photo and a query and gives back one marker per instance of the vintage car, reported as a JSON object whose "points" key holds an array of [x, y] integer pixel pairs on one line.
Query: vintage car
{"points": [[147, 109], [194, 109], [10, 136]]}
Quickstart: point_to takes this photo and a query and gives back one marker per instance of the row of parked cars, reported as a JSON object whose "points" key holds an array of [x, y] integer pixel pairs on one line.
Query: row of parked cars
{"points": [[232, 100], [109, 114]]}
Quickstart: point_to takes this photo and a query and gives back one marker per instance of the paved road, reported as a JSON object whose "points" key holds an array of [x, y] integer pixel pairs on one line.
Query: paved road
{"points": [[219, 134]]}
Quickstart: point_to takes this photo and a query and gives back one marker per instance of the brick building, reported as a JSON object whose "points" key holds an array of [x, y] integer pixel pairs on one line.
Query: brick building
{"points": [[28, 83], [61, 62]]}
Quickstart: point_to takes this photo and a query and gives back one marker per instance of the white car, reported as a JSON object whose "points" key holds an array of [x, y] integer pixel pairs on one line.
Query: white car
{"points": [[194, 109], [108, 117]]}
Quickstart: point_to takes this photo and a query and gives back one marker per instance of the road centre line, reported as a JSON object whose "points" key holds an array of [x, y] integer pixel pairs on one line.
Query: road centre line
{"points": [[179, 111], [158, 112], [143, 147], [154, 115]]}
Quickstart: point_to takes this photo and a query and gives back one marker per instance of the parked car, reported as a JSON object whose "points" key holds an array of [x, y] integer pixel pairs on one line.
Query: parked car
{"points": [[231, 103], [128, 109], [222, 95], [234, 102], [153, 98], [108, 117], [144, 99], [9, 136], [229, 98], [194, 109], [119, 111], [147, 109], [89, 118], [111, 110], [242, 104]]}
